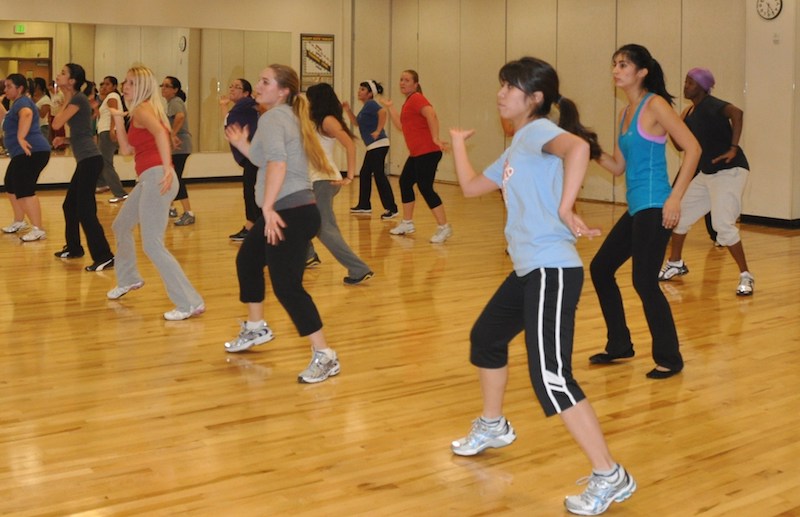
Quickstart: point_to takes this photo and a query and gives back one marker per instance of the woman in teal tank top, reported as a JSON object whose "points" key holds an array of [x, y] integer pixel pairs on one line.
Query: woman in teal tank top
{"points": [[642, 233]]}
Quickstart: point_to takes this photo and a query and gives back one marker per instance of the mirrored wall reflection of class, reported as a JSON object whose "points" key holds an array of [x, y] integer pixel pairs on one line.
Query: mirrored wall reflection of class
{"points": [[204, 60]]}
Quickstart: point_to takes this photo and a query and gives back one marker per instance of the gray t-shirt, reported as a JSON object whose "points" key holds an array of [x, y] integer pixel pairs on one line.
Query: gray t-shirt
{"points": [[175, 106], [81, 132], [278, 139]]}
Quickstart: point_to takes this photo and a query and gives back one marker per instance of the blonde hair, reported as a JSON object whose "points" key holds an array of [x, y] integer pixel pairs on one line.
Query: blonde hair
{"points": [[146, 89], [286, 77]]}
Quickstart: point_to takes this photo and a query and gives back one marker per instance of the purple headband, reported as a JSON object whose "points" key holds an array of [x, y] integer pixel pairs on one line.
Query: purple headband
{"points": [[703, 77]]}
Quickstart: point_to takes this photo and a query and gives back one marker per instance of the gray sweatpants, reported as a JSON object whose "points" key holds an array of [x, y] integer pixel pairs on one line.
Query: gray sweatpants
{"points": [[148, 208], [329, 232]]}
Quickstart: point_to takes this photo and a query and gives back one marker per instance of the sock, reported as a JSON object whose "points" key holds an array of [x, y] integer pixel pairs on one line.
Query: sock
{"points": [[329, 353], [190, 213], [607, 473], [678, 262], [493, 422], [252, 325]]}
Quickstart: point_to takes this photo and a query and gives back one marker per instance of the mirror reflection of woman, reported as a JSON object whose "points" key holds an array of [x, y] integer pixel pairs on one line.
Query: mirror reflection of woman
{"points": [[181, 143], [107, 136], [29, 152], [80, 210], [148, 139], [43, 102]]}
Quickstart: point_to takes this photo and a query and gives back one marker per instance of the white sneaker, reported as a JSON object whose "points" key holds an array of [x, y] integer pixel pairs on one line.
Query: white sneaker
{"points": [[746, 284], [482, 436], [442, 234], [35, 234], [120, 291], [320, 368], [15, 227], [249, 338], [178, 315], [403, 228], [600, 492]]}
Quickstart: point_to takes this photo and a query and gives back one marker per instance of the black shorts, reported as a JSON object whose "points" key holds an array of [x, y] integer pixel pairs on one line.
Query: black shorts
{"points": [[23, 173]]}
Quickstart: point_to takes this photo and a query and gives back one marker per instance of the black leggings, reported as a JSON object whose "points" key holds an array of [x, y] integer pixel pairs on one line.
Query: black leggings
{"points": [[249, 173], [643, 239], [179, 162], [286, 263], [80, 210], [422, 171], [374, 167]]}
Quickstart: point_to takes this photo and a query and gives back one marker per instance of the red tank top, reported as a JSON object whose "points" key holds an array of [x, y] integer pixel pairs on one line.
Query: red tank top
{"points": [[146, 153]]}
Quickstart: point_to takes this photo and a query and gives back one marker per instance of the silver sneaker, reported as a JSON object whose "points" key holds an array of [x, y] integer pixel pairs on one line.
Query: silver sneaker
{"points": [[249, 338], [320, 368], [672, 269], [600, 493], [122, 290], [36, 234], [746, 284], [15, 227], [185, 220], [483, 436], [443, 233], [178, 315], [403, 228]]}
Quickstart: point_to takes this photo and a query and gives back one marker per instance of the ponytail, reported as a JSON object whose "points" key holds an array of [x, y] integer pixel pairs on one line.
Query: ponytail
{"points": [[569, 120], [308, 131]]}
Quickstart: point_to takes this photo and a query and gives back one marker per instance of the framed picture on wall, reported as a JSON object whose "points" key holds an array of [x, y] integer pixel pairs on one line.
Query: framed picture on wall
{"points": [[316, 60]]}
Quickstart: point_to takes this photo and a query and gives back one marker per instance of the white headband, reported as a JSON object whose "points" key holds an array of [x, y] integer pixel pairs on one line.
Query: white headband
{"points": [[372, 87]]}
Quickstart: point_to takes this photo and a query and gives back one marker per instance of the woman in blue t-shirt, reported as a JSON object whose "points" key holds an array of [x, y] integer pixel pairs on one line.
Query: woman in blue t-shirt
{"points": [[29, 152], [654, 208], [540, 175], [371, 120]]}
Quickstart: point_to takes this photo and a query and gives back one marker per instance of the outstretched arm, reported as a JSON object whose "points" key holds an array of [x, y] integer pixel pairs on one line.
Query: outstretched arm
{"points": [[472, 184]]}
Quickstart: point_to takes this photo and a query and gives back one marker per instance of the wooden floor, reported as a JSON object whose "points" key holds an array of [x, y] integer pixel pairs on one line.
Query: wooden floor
{"points": [[106, 409]]}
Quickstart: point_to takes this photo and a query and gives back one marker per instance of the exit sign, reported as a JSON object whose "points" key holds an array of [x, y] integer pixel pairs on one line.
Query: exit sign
{"points": [[19, 28]]}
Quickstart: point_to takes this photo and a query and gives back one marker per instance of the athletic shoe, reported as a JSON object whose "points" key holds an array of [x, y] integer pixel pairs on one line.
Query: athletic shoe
{"points": [[313, 261], [100, 190], [746, 284], [117, 199], [36, 234], [320, 368], [442, 234], [482, 436], [672, 269], [601, 492], [350, 280], [101, 265], [240, 235], [15, 227], [66, 254], [178, 315], [120, 291], [185, 220], [360, 210], [249, 338], [403, 228], [388, 214], [173, 212]]}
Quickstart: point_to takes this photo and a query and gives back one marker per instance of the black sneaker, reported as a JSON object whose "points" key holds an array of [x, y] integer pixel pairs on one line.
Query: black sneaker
{"points": [[313, 261], [349, 280], [240, 235], [101, 265], [66, 254], [389, 214], [360, 210]]}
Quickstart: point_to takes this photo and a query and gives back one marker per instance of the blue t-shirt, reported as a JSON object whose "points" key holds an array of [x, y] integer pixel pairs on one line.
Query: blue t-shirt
{"points": [[11, 125], [532, 182], [367, 120], [646, 180]]}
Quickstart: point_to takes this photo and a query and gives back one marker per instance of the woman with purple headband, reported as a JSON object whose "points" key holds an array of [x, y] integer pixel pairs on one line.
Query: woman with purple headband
{"points": [[720, 178]]}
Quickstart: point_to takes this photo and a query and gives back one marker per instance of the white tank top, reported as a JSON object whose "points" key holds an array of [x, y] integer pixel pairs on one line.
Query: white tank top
{"points": [[328, 143]]}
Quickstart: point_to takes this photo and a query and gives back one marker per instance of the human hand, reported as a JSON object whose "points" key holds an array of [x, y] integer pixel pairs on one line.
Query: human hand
{"points": [[273, 226]]}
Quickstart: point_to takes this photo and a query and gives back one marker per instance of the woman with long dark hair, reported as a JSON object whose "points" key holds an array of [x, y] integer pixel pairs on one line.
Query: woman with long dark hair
{"points": [[107, 136], [540, 175], [326, 113], [654, 208], [80, 209], [172, 91]]}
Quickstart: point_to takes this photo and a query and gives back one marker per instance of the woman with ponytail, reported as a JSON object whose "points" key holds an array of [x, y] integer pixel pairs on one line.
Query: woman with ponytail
{"points": [[540, 175], [654, 208], [284, 146]]}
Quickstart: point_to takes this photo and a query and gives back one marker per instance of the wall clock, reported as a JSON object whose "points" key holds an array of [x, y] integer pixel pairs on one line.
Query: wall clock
{"points": [[769, 9], [182, 43]]}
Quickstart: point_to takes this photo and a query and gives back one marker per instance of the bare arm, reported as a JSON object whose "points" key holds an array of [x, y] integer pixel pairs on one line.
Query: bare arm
{"points": [[147, 119], [67, 112], [177, 124], [23, 128], [332, 128], [574, 153], [433, 124], [383, 116], [736, 118], [472, 184], [389, 105], [349, 112], [615, 163]]}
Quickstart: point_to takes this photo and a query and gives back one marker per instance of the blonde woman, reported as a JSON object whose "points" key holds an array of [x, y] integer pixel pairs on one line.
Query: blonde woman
{"points": [[148, 139], [283, 147]]}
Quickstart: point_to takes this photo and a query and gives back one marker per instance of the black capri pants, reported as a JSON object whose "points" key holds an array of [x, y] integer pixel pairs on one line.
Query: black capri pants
{"points": [[422, 171], [23, 172], [543, 304]]}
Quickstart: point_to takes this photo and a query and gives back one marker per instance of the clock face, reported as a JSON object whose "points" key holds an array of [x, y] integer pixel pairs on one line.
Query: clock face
{"points": [[182, 43], [769, 9]]}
